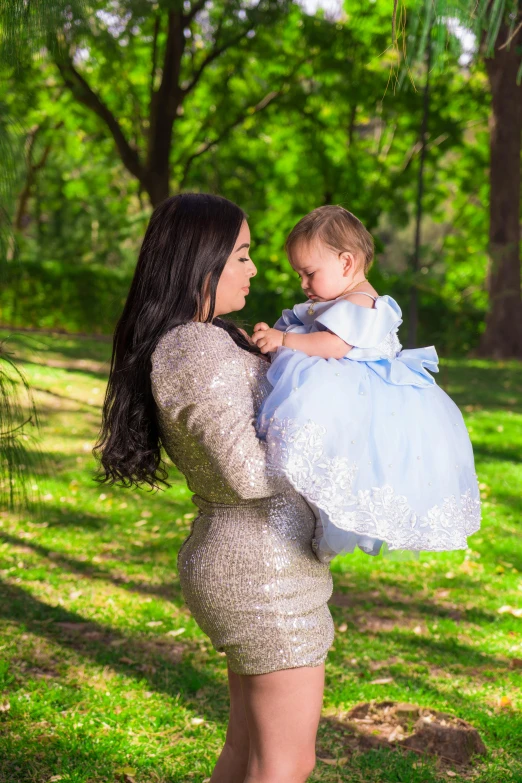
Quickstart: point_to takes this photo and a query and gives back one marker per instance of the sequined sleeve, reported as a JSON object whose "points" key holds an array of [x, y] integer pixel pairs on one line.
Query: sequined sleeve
{"points": [[204, 397]]}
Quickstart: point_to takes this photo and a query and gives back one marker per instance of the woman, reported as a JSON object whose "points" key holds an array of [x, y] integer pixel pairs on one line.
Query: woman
{"points": [[184, 379]]}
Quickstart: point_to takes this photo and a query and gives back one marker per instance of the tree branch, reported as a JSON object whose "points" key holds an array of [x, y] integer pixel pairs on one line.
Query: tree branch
{"points": [[213, 55], [196, 8], [172, 59], [248, 112], [84, 94], [154, 55], [165, 101], [511, 38], [32, 169]]}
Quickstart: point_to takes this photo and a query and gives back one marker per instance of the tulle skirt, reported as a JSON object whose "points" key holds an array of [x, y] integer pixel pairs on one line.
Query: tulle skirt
{"points": [[377, 448]]}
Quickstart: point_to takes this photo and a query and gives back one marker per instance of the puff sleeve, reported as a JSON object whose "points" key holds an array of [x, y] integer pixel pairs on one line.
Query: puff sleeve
{"points": [[362, 327]]}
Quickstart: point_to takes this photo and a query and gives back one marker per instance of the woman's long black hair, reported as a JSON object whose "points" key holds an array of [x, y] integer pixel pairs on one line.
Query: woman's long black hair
{"points": [[186, 246]]}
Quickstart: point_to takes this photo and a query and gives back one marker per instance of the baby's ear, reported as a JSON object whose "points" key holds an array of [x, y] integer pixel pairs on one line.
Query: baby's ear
{"points": [[349, 262]]}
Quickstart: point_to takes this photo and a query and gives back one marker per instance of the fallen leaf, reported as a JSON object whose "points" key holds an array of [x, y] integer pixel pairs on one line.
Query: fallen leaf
{"points": [[176, 632], [334, 762], [55, 778], [343, 628], [451, 774], [397, 733], [504, 701], [197, 721], [126, 771], [4, 706], [154, 623], [510, 610], [382, 681]]}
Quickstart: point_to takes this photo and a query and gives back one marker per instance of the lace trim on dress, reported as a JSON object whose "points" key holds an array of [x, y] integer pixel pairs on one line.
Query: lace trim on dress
{"points": [[390, 346], [298, 452]]}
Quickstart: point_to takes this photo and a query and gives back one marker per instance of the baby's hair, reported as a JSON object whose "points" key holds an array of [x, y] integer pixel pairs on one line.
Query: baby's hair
{"points": [[337, 228]]}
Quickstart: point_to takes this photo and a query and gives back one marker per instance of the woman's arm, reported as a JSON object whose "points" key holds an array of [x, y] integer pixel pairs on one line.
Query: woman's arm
{"points": [[205, 397], [324, 344]]}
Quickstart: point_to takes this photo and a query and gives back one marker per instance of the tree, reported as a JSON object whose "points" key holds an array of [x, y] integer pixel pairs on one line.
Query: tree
{"points": [[21, 25], [188, 46], [503, 334], [498, 27]]}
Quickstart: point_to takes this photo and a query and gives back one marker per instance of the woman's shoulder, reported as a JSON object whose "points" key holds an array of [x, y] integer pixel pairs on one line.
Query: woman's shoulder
{"points": [[195, 337], [195, 362]]}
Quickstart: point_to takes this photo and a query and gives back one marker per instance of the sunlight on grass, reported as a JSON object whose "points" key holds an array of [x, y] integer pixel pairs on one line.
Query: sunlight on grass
{"points": [[104, 676]]}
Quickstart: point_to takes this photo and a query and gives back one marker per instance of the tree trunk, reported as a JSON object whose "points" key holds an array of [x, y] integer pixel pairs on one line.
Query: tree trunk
{"points": [[415, 261], [503, 335], [157, 185]]}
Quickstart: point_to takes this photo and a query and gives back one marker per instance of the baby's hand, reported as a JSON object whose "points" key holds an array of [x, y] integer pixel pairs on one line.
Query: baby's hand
{"points": [[267, 339]]}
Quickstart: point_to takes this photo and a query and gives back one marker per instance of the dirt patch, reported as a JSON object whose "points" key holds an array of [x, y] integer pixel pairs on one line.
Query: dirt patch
{"points": [[408, 726]]}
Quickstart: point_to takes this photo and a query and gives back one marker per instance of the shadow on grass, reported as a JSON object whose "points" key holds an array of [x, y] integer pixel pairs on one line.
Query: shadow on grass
{"points": [[95, 370], [488, 453], [413, 608], [512, 502], [66, 515], [167, 666], [170, 590], [496, 386], [79, 404], [28, 762]]}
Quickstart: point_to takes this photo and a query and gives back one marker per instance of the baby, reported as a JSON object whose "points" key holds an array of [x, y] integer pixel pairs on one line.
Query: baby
{"points": [[357, 424]]}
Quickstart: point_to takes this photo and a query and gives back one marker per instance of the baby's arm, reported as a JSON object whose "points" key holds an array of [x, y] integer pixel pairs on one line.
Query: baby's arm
{"points": [[323, 344]]}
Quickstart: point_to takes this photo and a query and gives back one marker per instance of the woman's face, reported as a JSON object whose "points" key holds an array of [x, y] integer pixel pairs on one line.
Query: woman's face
{"points": [[234, 283]]}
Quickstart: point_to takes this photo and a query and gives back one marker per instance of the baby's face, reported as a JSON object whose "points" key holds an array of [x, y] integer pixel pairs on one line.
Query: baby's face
{"points": [[323, 271]]}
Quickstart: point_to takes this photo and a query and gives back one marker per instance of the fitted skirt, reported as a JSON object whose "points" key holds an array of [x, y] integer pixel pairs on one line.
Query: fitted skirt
{"points": [[254, 586]]}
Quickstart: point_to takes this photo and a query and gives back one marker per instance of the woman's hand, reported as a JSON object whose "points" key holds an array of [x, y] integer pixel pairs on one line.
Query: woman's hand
{"points": [[267, 339]]}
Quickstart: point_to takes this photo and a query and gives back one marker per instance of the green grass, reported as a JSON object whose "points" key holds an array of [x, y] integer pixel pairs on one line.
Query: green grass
{"points": [[104, 676]]}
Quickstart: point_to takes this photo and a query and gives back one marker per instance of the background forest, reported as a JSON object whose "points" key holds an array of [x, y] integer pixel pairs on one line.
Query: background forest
{"points": [[280, 106]]}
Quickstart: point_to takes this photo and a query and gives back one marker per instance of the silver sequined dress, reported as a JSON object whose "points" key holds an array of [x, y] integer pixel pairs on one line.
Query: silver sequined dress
{"points": [[247, 569]]}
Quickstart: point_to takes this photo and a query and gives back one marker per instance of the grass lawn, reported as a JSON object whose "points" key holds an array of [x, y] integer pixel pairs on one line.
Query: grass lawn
{"points": [[104, 675]]}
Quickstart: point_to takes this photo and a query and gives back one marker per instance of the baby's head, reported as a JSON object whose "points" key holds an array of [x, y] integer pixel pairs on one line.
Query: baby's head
{"points": [[331, 250]]}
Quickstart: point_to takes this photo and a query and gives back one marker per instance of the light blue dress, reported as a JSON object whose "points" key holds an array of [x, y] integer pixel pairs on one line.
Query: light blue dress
{"points": [[379, 451]]}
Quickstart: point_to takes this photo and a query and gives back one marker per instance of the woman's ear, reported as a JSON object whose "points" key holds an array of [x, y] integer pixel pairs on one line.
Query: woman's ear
{"points": [[348, 262]]}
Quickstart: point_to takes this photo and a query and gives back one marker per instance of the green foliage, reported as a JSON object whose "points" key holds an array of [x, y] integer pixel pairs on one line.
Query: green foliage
{"points": [[50, 295], [337, 127], [437, 21]]}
